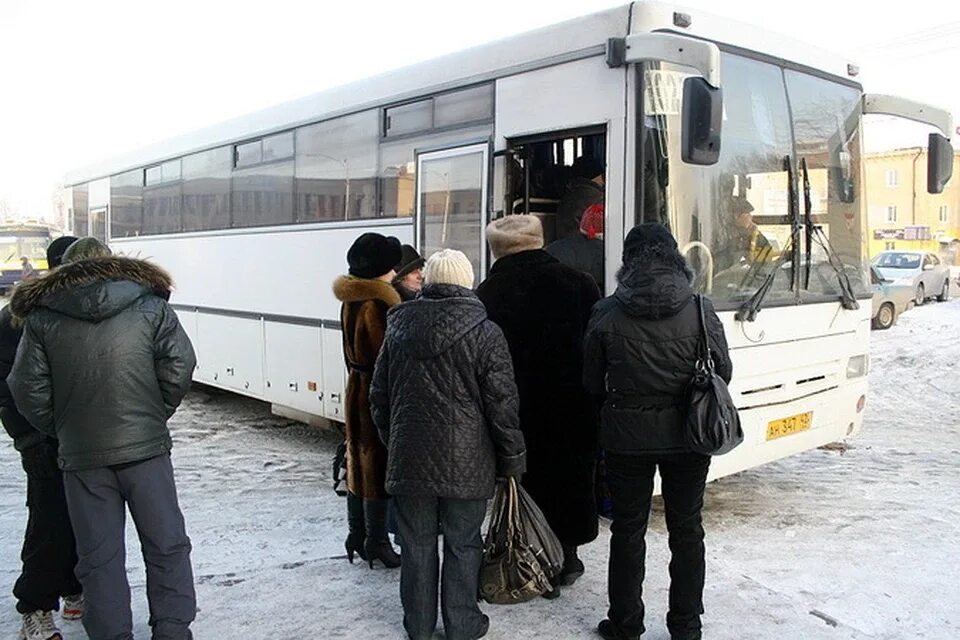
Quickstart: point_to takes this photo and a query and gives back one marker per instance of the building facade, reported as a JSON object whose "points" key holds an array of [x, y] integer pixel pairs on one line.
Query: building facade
{"points": [[902, 215]]}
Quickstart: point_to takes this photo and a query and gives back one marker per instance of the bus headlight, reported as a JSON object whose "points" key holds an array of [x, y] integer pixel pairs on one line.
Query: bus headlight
{"points": [[858, 366]]}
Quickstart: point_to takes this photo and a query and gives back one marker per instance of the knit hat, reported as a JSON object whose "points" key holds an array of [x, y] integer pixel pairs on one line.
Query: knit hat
{"points": [[56, 248], [409, 262], [513, 234], [85, 249], [591, 224], [648, 234], [373, 255], [449, 266]]}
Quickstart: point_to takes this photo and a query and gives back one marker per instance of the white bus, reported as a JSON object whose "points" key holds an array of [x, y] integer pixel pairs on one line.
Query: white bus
{"points": [[708, 126]]}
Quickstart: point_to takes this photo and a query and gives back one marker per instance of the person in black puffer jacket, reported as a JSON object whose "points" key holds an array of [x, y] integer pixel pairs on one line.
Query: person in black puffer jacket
{"points": [[102, 365], [49, 550], [639, 356], [445, 403]]}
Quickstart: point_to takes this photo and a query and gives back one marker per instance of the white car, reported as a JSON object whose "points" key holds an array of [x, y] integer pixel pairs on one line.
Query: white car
{"points": [[927, 276]]}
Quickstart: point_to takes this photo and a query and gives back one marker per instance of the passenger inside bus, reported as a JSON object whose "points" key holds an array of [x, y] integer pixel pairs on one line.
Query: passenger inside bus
{"points": [[562, 181], [583, 250], [584, 189]]}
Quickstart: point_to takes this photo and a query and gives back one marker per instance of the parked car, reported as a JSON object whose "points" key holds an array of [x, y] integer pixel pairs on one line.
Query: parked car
{"points": [[889, 300], [922, 271]]}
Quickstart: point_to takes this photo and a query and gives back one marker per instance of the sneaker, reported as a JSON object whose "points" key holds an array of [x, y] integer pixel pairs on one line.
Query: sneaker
{"points": [[72, 607], [39, 626]]}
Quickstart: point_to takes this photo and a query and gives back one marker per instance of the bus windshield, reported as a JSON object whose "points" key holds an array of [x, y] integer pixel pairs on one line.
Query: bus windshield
{"points": [[18, 244], [733, 219]]}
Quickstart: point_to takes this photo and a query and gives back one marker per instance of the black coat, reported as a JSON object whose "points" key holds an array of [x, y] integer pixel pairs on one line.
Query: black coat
{"points": [[640, 353], [580, 194], [103, 362], [444, 400], [23, 434], [580, 253], [543, 307]]}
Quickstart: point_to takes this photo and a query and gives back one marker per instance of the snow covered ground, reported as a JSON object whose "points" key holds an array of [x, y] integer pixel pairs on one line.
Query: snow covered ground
{"points": [[855, 541]]}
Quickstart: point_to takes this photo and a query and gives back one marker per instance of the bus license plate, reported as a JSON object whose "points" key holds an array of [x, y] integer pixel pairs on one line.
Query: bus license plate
{"points": [[789, 426]]}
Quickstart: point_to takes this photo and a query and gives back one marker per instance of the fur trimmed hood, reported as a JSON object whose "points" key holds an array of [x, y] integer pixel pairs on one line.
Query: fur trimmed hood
{"points": [[80, 289], [353, 289]]}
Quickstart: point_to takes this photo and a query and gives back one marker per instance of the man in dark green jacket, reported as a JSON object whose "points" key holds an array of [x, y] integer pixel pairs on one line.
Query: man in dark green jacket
{"points": [[102, 365], [49, 550]]}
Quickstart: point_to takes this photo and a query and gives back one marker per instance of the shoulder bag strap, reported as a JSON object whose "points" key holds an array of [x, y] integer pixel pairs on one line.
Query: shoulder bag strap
{"points": [[705, 340]]}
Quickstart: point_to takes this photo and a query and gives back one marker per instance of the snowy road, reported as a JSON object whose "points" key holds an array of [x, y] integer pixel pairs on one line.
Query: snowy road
{"points": [[858, 542]]}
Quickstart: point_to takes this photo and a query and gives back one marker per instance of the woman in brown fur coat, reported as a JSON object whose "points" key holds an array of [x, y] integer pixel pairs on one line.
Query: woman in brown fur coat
{"points": [[367, 295]]}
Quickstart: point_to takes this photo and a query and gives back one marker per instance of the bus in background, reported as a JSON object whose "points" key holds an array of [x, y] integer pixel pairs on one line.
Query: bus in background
{"points": [[19, 241], [746, 144]]}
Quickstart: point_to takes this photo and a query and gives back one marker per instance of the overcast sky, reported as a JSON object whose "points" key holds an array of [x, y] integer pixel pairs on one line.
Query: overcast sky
{"points": [[81, 81]]}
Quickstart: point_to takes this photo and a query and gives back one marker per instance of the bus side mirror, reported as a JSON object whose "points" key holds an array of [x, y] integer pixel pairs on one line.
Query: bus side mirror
{"points": [[702, 119], [939, 163]]}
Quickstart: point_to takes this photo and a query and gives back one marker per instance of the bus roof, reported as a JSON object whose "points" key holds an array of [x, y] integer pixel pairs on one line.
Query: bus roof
{"points": [[571, 40]]}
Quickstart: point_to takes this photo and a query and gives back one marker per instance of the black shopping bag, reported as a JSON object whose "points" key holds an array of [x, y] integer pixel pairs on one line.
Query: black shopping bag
{"points": [[521, 552]]}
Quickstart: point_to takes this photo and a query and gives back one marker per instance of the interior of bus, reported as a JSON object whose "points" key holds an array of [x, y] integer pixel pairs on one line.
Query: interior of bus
{"points": [[544, 170]]}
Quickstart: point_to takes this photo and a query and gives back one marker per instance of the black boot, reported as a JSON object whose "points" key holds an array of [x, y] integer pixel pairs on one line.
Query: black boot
{"points": [[357, 530], [610, 631], [377, 545], [572, 566]]}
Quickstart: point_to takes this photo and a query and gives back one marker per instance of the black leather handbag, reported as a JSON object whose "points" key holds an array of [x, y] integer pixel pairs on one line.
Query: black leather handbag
{"points": [[712, 425]]}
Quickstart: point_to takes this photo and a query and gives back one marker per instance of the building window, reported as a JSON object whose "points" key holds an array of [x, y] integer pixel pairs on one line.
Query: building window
{"points": [[891, 178], [890, 246], [944, 213], [891, 214]]}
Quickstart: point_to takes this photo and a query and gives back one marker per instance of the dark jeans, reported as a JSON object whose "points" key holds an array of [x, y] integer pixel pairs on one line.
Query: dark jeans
{"points": [[49, 551], [630, 478], [417, 517], [98, 499]]}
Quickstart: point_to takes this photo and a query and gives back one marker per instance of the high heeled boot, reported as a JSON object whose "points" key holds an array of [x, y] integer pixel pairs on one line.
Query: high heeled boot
{"points": [[377, 545], [357, 533]]}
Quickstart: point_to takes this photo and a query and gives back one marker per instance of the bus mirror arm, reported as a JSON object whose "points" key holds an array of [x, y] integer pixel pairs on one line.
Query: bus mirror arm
{"points": [[667, 47], [939, 151]]}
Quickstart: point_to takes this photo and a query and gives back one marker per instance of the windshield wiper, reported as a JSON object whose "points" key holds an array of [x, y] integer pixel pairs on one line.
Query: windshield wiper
{"points": [[815, 233], [748, 310]]}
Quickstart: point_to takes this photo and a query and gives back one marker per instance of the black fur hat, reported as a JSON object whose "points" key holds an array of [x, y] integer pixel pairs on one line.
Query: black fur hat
{"points": [[373, 255]]}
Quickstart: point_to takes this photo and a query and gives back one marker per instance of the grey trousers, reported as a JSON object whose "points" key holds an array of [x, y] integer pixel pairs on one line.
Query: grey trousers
{"points": [[97, 499]]}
